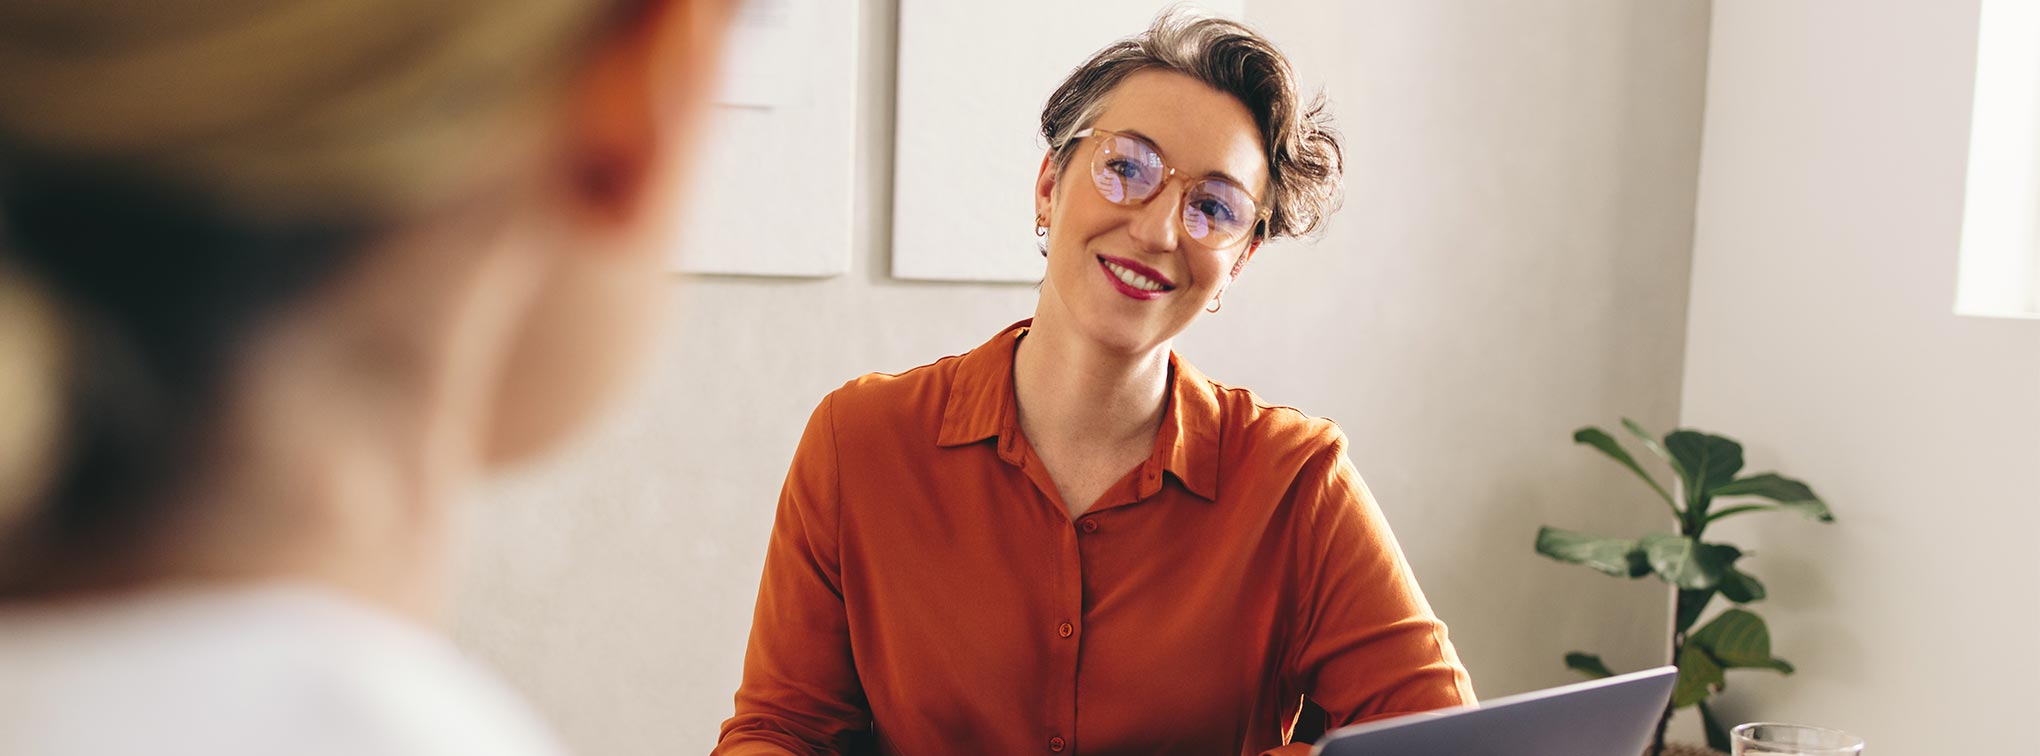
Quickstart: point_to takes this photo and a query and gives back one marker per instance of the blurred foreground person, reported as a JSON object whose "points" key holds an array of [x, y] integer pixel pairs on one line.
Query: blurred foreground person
{"points": [[279, 281]]}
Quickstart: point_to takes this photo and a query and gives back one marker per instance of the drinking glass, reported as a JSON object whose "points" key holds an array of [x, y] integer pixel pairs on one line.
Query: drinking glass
{"points": [[1772, 739]]}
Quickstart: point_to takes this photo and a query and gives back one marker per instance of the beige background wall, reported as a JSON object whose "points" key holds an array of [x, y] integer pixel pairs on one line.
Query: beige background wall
{"points": [[1512, 263], [1823, 282]]}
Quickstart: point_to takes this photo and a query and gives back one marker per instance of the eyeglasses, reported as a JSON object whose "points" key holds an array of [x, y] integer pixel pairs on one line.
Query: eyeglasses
{"points": [[1128, 170]]}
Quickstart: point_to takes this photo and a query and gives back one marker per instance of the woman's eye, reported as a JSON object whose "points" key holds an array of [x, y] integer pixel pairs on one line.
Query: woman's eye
{"points": [[1124, 168], [1215, 209]]}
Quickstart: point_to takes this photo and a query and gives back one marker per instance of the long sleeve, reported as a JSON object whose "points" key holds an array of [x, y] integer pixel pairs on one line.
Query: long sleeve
{"points": [[1367, 644], [800, 693]]}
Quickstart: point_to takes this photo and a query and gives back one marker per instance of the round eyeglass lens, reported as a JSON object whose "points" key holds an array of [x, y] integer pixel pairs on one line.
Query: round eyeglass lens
{"points": [[1124, 170], [1217, 212]]}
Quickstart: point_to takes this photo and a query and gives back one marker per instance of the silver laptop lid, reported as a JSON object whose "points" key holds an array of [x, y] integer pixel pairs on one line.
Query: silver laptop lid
{"points": [[1612, 716]]}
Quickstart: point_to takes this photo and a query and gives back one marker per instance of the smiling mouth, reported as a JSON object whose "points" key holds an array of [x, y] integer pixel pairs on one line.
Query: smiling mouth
{"points": [[1136, 276]]}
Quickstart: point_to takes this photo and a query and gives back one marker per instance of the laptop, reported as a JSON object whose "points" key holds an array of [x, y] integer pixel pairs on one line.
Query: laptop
{"points": [[1612, 716]]}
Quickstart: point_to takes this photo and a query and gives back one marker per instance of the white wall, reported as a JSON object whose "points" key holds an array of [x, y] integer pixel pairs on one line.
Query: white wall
{"points": [[1511, 263], [1820, 333]]}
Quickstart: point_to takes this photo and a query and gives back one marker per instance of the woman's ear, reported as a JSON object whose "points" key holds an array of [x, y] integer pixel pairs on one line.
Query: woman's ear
{"points": [[1241, 264], [637, 105], [1044, 188]]}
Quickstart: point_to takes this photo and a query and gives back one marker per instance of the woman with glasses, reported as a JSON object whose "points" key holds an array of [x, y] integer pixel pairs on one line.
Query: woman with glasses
{"points": [[1068, 540], [280, 282]]}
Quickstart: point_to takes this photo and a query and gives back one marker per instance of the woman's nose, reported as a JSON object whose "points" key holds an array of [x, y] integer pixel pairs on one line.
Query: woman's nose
{"points": [[1155, 226]]}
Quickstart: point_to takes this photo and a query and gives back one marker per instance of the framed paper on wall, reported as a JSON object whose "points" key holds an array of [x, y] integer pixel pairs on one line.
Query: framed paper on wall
{"points": [[773, 183]]}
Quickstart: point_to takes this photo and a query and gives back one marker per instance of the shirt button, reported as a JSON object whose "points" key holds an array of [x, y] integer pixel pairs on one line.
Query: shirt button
{"points": [[1090, 526], [1066, 630], [1056, 744]]}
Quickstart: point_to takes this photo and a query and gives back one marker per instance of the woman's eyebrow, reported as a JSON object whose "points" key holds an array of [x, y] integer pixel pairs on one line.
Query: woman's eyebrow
{"points": [[1145, 138], [1226, 176], [1165, 156]]}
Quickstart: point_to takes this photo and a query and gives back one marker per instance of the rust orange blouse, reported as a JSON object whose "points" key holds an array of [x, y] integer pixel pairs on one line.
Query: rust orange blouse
{"points": [[925, 591]]}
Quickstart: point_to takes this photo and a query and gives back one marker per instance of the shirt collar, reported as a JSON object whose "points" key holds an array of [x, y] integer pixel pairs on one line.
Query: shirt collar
{"points": [[981, 406], [1190, 433]]}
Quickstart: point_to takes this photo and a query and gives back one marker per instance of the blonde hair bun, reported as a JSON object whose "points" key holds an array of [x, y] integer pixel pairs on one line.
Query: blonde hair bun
{"points": [[31, 394]]}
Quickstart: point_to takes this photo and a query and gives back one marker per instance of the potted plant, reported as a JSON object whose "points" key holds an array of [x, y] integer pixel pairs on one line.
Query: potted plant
{"points": [[1704, 468]]}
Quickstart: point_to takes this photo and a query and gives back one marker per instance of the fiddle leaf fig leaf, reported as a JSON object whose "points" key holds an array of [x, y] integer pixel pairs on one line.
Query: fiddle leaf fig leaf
{"points": [[1738, 639], [1587, 664], [1686, 562], [1600, 439], [1691, 604], [1705, 461], [1790, 495], [1650, 442], [1740, 587], [1698, 677], [1619, 557]]}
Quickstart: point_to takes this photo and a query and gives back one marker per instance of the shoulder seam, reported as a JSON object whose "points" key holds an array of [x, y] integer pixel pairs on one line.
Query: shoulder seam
{"points": [[904, 373], [1257, 402]]}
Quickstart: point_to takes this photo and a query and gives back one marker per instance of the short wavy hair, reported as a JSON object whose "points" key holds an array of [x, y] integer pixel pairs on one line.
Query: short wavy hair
{"points": [[1305, 164]]}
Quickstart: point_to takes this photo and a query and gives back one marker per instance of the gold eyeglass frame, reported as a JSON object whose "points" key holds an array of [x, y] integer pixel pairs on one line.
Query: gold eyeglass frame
{"points": [[1169, 173]]}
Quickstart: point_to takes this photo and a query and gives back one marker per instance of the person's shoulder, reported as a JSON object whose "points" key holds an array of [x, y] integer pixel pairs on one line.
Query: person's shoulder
{"points": [[248, 671], [1264, 430], [911, 388], [1302, 456], [385, 685], [892, 403], [421, 695]]}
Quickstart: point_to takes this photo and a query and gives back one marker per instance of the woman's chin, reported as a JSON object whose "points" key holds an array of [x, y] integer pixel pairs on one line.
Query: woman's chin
{"points": [[1118, 333]]}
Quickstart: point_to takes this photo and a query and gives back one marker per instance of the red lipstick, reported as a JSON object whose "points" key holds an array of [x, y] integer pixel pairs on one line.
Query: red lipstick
{"points": [[1105, 265]]}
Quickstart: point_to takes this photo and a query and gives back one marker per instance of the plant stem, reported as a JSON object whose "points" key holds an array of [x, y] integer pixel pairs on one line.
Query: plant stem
{"points": [[1692, 522], [1680, 608], [1657, 741]]}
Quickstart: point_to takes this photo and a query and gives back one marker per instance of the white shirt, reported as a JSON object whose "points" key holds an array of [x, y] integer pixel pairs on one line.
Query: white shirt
{"points": [[254, 670]]}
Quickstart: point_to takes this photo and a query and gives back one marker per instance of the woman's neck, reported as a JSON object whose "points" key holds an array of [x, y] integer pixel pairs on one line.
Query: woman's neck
{"points": [[308, 480], [359, 427], [351, 430], [348, 494], [1073, 392]]}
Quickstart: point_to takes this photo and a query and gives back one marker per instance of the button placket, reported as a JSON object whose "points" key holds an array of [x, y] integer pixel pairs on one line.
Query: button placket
{"points": [[1066, 644]]}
